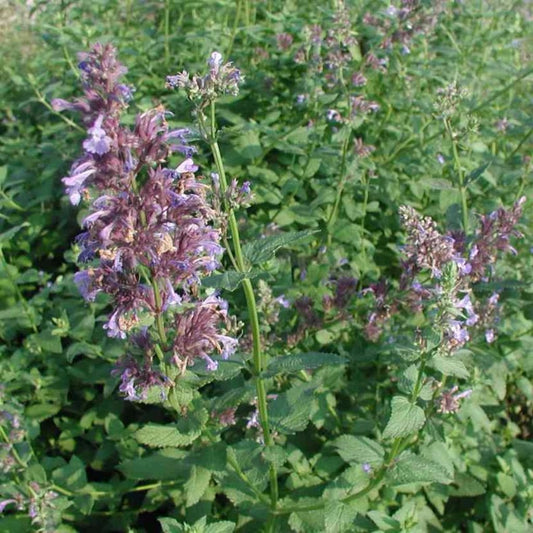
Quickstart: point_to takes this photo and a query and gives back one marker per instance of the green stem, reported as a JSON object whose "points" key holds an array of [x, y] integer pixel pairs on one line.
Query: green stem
{"points": [[259, 359], [14, 451], [234, 30], [167, 33], [398, 445], [334, 212], [460, 174], [159, 316]]}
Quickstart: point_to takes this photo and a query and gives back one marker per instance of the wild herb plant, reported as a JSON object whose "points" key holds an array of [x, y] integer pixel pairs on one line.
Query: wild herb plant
{"points": [[276, 335]]}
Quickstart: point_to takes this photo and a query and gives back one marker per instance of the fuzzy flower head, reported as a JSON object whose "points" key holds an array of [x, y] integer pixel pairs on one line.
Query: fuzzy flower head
{"points": [[449, 400], [221, 78], [426, 247], [136, 379], [198, 334]]}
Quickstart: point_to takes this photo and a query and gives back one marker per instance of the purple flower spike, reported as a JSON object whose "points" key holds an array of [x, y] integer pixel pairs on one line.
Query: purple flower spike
{"points": [[98, 142]]}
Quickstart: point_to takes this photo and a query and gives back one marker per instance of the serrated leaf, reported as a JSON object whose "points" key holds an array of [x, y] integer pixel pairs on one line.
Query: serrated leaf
{"points": [[276, 455], [476, 173], [220, 527], [291, 410], [171, 525], [6, 236], [405, 418], [71, 476], [169, 436], [449, 366], [183, 433], [438, 184], [262, 250], [227, 281], [466, 486], [82, 348], [384, 521], [45, 341], [303, 361], [359, 450], [406, 352], [197, 484], [412, 468], [212, 458], [161, 465], [339, 517]]}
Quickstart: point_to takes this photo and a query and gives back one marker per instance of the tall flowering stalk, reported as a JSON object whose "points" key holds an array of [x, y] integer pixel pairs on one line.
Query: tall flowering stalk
{"points": [[150, 235], [429, 255], [223, 78]]}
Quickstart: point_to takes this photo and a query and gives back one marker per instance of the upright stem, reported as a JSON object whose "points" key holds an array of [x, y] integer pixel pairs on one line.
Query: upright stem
{"points": [[460, 175], [167, 32], [259, 359], [159, 316], [334, 212]]}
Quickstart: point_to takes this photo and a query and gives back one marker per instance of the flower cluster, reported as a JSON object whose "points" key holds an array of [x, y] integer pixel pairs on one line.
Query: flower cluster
{"points": [[222, 78], [449, 400], [399, 25], [453, 268], [332, 56], [39, 504], [149, 235]]}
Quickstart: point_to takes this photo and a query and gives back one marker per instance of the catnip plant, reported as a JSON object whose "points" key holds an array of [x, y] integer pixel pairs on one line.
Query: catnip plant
{"points": [[161, 243]]}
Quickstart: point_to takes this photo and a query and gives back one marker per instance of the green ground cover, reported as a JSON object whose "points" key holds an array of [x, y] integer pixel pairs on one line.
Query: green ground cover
{"points": [[387, 384]]}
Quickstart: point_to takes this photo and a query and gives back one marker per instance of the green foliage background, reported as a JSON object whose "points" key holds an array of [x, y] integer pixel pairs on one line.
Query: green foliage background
{"points": [[55, 359]]}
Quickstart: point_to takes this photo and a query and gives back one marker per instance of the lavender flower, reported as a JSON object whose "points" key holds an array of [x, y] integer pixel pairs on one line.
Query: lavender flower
{"points": [[449, 401], [222, 78], [493, 236], [198, 335], [426, 247], [136, 380], [149, 244]]}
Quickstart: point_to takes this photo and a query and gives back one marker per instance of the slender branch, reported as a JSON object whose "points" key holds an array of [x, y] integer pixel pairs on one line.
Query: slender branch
{"points": [[460, 174], [259, 359]]}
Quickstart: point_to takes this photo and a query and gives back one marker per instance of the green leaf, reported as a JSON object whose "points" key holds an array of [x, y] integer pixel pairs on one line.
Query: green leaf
{"points": [[438, 184], [405, 418], [277, 455], [227, 281], [169, 436], [466, 485], [449, 366], [171, 525], [45, 341], [42, 411], [384, 521], [291, 410], [6, 236], [213, 457], [324, 336], [476, 173], [161, 465], [262, 250], [183, 433], [220, 527], [82, 348], [197, 484], [71, 476], [412, 468], [302, 361], [359, 450], [339, 517]]}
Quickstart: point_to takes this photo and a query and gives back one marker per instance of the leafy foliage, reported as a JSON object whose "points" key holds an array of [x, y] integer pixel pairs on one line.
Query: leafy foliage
{"points": [[374, 423]]}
